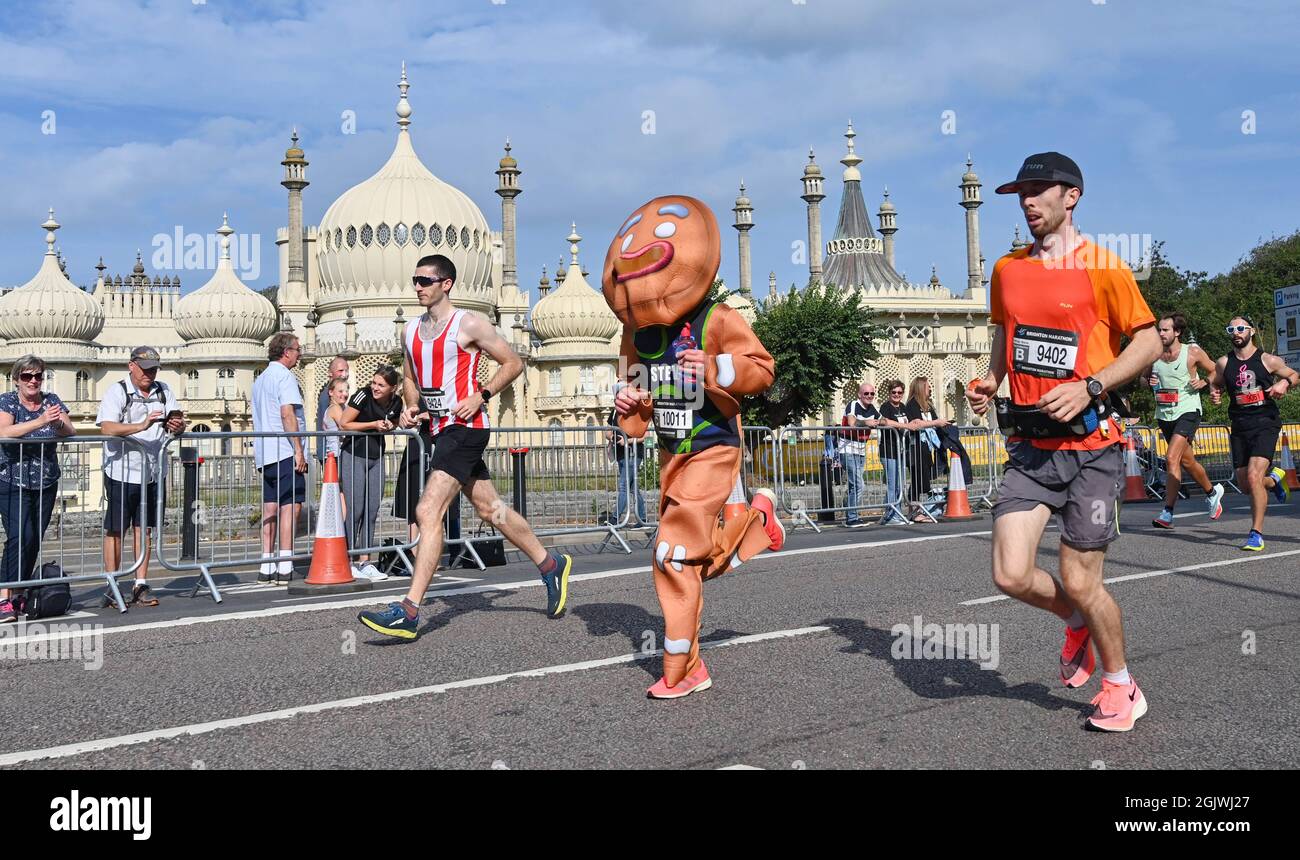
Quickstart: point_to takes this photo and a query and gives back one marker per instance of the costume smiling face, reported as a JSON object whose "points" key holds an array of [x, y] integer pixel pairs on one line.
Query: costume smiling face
{"points": [[663, 261]]}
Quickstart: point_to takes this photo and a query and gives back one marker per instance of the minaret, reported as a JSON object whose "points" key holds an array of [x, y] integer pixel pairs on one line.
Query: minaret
{"points": [[1017, 242], [293, 296], [970, 201], [813, 195], [560, 273], [508, 188], [543, 286], [771, 285], [888, 227], [744, 223], [99, 281]]}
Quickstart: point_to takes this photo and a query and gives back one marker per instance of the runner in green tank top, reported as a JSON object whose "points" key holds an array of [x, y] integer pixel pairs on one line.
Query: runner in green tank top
{"points": [[1178, 384]]}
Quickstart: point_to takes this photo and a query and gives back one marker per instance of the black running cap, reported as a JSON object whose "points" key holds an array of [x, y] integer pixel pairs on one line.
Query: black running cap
{"points": [[1045, 167]]}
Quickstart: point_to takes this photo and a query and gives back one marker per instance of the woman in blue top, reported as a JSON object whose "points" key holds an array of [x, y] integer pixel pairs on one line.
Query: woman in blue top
{"points": [[29, 474]]}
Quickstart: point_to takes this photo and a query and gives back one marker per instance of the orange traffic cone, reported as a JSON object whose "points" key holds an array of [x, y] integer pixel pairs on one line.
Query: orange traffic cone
{"points": [[330, 570], [1135, 489], [1288, 465], [736, 505], [958, 507]]}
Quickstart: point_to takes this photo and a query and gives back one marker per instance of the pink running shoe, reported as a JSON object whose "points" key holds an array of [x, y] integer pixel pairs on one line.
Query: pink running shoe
{"points": [[1077, 660], [765, 501], [1118, 706], [697, 680]]}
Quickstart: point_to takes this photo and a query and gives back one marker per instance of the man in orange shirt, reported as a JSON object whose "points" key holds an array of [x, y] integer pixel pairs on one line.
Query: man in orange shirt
{"points": [[1059, 309]]}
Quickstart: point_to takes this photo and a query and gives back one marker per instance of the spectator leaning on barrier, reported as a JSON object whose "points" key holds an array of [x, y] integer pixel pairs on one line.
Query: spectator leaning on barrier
{"points": [[278, 408], [29, 474], [923, 446], [893, 423], [629, 454], [145, 410], [859, 413], [333, 416], [338, 371], [373, 410]]}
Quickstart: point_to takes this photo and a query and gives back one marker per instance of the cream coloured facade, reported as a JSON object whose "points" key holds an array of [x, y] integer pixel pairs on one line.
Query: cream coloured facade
{"points": [[345, 289]]}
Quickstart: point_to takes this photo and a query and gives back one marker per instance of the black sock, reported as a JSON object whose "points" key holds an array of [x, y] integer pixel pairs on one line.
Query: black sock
{"points": [[1209, 492], [412, 609], [1257, 532], [549, 563]]}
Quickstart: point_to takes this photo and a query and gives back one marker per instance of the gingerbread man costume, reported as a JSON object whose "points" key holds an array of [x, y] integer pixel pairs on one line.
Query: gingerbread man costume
{"points": [[657, 274]]}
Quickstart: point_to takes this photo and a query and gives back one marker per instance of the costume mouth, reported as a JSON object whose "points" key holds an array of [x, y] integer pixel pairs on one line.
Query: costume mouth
{"points": [[643, 261]]}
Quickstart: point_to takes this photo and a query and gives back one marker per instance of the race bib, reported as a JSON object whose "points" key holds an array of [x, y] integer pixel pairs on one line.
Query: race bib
{"points": [[673, 421], [435, 401], [1249, 398], [1046, 352], [1167, 396]]}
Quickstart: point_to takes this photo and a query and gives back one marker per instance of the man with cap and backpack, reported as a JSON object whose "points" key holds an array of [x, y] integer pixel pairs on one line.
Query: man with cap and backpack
{"points": [[145, 410]]}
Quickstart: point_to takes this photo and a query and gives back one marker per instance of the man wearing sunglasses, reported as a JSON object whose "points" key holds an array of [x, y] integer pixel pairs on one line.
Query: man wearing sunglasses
{"points": [[1060, 309], [443, 351], [1254, 380]]}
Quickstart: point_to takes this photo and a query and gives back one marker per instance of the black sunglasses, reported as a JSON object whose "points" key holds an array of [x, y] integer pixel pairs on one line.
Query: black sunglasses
{"points": [[29, 377], [421, 281]]}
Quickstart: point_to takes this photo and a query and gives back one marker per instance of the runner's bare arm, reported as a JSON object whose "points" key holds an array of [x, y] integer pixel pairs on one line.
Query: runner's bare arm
{"points": [[1276, 366], [1216, 380], [1197, 359], [410, 394], [478, 332], [1067, 400], [979, 395]]}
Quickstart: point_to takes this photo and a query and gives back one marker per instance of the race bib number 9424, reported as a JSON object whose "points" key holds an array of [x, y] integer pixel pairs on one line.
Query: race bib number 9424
{"points": [[1046, 352]]}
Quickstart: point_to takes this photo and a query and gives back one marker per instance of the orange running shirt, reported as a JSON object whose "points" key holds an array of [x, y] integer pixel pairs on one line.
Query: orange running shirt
{"points": [[1062, 321]]}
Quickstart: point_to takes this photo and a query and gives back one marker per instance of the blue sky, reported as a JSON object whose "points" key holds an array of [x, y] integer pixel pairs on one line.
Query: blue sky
{"points": [[169, 112]]}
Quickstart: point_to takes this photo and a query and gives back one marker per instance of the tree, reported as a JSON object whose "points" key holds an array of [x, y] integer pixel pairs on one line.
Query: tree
{"points": [[822, 338]]}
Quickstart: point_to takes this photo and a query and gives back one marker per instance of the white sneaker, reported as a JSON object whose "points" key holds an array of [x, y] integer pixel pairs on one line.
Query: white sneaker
{"points": [[372, 573], [356, 572], [1215, 502]]}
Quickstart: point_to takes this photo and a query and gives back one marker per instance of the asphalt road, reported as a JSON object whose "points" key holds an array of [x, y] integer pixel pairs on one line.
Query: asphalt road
{"points": [[807, 669]]}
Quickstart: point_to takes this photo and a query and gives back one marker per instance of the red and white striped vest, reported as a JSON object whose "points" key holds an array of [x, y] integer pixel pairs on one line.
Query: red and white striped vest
{"points": [[445, 373]]}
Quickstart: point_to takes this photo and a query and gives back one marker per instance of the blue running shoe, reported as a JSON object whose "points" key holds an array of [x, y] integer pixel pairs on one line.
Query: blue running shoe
{"points": [[391, 622], [557, 586], [1280, 490], [1254, 543], [1165, 520]]}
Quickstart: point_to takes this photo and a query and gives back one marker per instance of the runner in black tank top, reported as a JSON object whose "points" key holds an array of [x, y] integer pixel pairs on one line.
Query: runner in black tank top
{"points": [[1253, 380]]}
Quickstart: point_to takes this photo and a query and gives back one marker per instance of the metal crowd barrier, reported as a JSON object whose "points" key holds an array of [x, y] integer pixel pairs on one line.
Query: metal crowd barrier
{"points": [[54, 505], [217, 518]]}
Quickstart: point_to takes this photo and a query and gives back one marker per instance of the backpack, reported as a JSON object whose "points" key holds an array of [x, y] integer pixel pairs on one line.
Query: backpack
{"points": [[160, 387], [49, 601]]}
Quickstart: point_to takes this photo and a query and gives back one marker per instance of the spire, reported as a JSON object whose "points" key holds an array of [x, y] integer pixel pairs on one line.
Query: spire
{"points": [[851, 160], [50, 226], [544, 285], [560, 272], [403, 106], [573, 239], [224, 232]]}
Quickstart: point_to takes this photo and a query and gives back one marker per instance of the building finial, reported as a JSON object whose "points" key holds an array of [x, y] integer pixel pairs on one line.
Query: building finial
{"points": [[50, 226], [851, 159], [573, 239], [403, 106], [224, 232]]}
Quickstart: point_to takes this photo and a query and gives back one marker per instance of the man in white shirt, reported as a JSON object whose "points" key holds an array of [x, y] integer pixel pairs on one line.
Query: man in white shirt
{"points": [[278, 408], [145, 410], [853, 448]]}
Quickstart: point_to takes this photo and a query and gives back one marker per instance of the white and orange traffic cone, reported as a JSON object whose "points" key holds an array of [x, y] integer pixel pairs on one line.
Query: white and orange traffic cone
{"points": [[737, 505], [958, 507], [1135, 489], [331, 572], [1288, 464]]}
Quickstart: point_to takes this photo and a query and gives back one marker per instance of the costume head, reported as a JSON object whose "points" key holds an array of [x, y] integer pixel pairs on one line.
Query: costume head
{"points": [[663, 261]]}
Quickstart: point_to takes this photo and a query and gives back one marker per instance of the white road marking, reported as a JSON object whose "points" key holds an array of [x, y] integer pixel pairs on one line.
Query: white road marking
{"points": [[1150, 573], [299, 606], [101, 744]]}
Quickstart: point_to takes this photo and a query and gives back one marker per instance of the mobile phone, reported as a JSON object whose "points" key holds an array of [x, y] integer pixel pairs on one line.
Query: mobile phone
{"points": [[175, 413]]}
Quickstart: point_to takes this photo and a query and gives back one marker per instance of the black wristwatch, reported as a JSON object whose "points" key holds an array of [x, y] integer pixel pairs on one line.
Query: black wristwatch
{"points": [[486, 394], [1095, 387]]}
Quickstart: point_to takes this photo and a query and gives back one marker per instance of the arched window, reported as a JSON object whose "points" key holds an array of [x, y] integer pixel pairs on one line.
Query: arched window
{"points": [[588, 379], [553, 384], [201, 428], [192, 385], [557, 435], [83, 385], [225, 443], [226, 383]]}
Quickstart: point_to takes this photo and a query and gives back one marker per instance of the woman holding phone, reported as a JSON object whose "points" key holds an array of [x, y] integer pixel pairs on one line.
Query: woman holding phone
{"points": [[373, 411], [29, 474]]}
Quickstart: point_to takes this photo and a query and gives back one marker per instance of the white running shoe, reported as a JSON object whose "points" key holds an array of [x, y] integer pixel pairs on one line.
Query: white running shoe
{"points": [[372, 573], [1215, 502]]}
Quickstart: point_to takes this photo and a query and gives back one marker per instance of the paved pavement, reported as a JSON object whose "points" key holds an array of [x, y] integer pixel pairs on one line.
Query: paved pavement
{"points": [[808, 671]]}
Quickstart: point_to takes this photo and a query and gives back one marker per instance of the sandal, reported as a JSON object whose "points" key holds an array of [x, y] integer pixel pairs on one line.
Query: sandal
{"points": [[142, 595]]}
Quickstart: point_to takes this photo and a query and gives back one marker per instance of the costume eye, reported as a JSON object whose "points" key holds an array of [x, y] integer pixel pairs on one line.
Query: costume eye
{"points": [[627, 242], [665, 230]]}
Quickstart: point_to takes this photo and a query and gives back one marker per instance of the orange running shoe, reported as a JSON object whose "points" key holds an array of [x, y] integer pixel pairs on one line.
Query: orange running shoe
{"points": [[1077, 660], [1118, 706], [765, 501], [697, 680]]}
